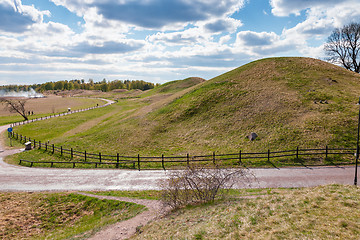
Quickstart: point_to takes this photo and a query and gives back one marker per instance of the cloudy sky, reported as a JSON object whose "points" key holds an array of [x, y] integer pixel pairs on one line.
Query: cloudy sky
{"points": [[158, 40]]}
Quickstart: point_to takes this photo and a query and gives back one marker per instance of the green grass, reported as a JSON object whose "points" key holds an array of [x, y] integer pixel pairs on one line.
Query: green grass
{"points": [[148, 194], [59, 215], [325, 212], [174, 86], [321, 212], [272, 97]]}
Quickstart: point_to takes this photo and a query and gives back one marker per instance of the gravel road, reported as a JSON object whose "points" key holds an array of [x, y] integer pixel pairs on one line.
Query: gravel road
{"points": [[18, 178]]}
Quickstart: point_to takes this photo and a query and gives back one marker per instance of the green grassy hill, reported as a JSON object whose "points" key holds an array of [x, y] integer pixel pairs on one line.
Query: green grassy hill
{"points": [[278, 98], [288, 102], [173, 86]]}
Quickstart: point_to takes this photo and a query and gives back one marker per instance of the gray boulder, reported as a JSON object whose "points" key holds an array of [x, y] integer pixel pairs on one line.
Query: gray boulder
{"points": [[252, 136]]}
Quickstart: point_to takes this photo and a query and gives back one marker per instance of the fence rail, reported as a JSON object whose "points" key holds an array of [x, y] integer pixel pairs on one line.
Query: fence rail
{"points": [[137, 162]]}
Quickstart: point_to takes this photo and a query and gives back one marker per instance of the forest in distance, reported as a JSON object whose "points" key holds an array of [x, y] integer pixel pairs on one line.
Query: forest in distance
{"points": [[104, 85]]}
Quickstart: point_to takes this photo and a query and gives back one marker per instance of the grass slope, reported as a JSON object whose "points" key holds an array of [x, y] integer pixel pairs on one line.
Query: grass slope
{"points": [[175, 86], [58, 215], [278, 98], [274, 98], [325, 212]]}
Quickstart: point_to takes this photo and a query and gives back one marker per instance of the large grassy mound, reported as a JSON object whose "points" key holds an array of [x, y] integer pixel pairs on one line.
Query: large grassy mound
{"points": [[288, 102]]}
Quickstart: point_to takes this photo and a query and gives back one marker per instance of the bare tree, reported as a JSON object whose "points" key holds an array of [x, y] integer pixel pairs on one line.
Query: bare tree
{"points": [[15, 106], [343, 47]]}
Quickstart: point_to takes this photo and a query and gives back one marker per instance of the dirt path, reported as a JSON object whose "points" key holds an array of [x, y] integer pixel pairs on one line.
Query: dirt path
{"points": [[125, 229]]}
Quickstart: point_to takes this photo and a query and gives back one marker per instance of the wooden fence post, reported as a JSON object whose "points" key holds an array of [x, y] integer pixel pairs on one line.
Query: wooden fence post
{"points": [[239, 157], [85, 155], [53, 148], [326, 152], [117, 160], [297, 152], [34, 143], [61, 149], [99, 157], [187, 160], [72, 153], [139, 162], [39, 144], [162, 161], [214, 158], [269, 155], [45, 146]]}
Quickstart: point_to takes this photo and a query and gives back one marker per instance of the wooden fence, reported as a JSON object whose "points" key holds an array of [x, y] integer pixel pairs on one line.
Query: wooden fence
{"points": [[142, 162]]}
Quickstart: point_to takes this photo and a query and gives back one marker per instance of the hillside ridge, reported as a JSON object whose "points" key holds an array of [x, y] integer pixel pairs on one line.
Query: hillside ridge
{"points": [[287, 102]]}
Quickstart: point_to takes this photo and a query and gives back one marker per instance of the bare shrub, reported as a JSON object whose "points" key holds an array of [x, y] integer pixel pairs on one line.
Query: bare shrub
{"points": [[200, 184]]}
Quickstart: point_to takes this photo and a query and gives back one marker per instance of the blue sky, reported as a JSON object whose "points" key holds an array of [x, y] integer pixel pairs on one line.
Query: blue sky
{"points": [[158, 40]]}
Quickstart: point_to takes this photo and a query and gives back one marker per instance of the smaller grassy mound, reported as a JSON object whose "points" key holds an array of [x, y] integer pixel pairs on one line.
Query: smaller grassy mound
{"points": [[325, 212], [175, 86], [58, 215]]}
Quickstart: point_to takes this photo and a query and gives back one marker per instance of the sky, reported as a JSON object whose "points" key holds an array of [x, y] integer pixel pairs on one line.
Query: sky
{"points": [[158, 40]]}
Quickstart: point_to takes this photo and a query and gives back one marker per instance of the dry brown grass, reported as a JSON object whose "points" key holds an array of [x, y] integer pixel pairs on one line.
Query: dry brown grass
{"points": [[326, 212], [114, 94], [58, 215], [20, 216], [53, 104]]}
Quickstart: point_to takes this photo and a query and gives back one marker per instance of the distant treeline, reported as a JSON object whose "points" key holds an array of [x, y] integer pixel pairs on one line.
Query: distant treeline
{"points": [[103, 85]]}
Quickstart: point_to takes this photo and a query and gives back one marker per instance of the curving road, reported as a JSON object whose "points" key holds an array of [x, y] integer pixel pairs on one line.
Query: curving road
{"points": [[18, 178]]}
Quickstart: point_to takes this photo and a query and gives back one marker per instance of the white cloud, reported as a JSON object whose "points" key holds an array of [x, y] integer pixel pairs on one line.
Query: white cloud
{"points": [[222, 25], [155, 39], [249, 38], [286, 7], [155, 14], [189, 36], [18, 18]]}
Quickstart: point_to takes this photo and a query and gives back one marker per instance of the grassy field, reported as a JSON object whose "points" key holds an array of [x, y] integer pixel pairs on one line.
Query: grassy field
{"points": [[325, 212], [45, 106], [278, 98], [58, 215]]}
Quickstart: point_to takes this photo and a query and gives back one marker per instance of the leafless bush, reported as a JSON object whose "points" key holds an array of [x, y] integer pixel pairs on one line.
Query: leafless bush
{"points": [[199, 184]]}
